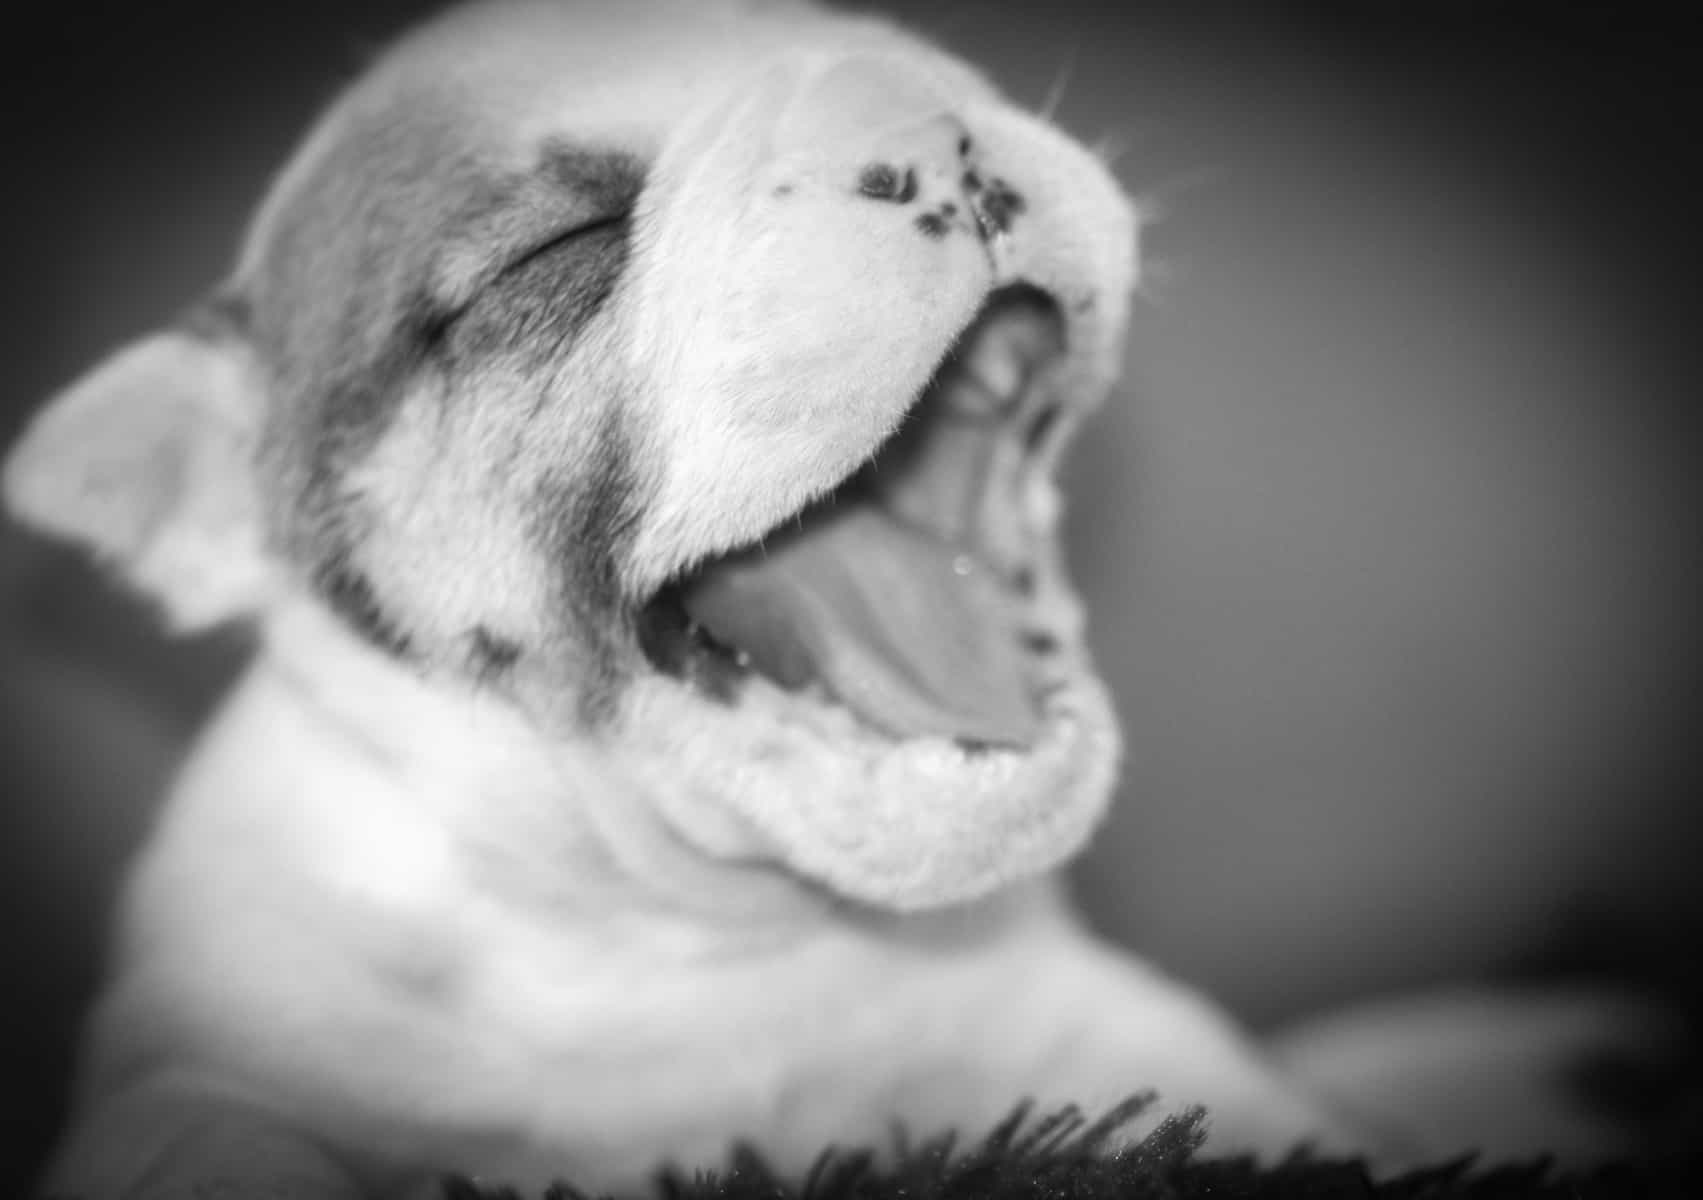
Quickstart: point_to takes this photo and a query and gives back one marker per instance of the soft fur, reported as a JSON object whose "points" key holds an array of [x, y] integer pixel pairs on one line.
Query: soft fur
{"points": [[556, 302]]}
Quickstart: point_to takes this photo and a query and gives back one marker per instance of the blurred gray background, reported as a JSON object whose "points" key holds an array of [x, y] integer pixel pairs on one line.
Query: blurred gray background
{"points": [[1390, 539]]}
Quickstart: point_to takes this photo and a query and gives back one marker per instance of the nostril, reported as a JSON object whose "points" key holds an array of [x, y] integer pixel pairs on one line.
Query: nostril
{"points": [[884, 181], [1005, 199], [996, 203]]}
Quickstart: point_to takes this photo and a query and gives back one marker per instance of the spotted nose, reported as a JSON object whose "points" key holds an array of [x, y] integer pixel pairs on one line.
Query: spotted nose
{"points": [[902, 142]]}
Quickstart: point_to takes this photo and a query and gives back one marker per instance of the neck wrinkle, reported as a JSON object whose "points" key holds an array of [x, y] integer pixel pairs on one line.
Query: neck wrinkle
{"points": [[560, 833]]}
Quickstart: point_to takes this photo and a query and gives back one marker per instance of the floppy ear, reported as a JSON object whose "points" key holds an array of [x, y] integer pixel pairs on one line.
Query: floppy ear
{"points": [[148, 461]]}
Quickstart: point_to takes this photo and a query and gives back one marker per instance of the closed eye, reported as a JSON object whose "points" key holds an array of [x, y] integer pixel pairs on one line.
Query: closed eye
{"points": [[539, 303], [541, 257], [562, 240]]}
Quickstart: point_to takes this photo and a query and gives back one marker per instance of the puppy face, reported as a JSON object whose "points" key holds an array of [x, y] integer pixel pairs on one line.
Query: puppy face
{"points": [[689, 375]]}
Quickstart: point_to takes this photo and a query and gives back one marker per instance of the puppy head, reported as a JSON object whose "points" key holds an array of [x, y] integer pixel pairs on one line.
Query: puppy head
{"points": [[690, 375]]}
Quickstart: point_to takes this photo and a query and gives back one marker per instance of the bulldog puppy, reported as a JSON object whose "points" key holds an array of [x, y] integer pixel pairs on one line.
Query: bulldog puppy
{"points": [[631, 429]]}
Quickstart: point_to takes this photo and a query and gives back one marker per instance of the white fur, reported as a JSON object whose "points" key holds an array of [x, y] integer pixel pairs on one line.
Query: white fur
{"points": [[429, 926], [394, 921], [159, 487]]}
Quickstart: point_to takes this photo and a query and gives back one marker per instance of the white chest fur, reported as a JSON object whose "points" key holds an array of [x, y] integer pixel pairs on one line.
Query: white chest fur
{"points": [[406, 933]]}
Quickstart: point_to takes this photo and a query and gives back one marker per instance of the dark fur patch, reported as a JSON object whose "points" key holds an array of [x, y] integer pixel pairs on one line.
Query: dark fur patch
{"points": [[350, 594], [606, 183], [539, 305], [1039, 641], [493, 654], [586, 525]]}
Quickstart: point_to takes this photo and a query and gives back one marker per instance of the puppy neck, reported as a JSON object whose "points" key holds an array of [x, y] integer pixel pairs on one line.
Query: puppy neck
{"points": [[551, 822]]}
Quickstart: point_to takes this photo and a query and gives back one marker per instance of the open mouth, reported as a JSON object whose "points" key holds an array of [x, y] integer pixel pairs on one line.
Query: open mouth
{"points": [[908, 594]]}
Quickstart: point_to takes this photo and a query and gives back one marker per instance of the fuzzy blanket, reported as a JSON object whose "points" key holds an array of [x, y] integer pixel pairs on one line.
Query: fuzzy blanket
{"points": [[1063, 1156]]}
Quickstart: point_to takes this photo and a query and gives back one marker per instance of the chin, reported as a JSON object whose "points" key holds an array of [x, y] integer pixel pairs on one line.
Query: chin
{"points": [[888, 694]]}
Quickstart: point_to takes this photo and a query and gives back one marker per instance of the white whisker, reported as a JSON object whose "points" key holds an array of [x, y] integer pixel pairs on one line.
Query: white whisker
{"points": [[1159, 280], [1048, 111], [1109, 148], [1153, 202]]}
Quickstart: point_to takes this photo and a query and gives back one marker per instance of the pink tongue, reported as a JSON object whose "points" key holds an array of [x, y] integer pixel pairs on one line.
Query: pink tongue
{"points": [[880, 614]]}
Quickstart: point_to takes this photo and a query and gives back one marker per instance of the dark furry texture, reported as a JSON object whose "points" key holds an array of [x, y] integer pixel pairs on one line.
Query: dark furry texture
{"points": [[1064, 1156]]}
